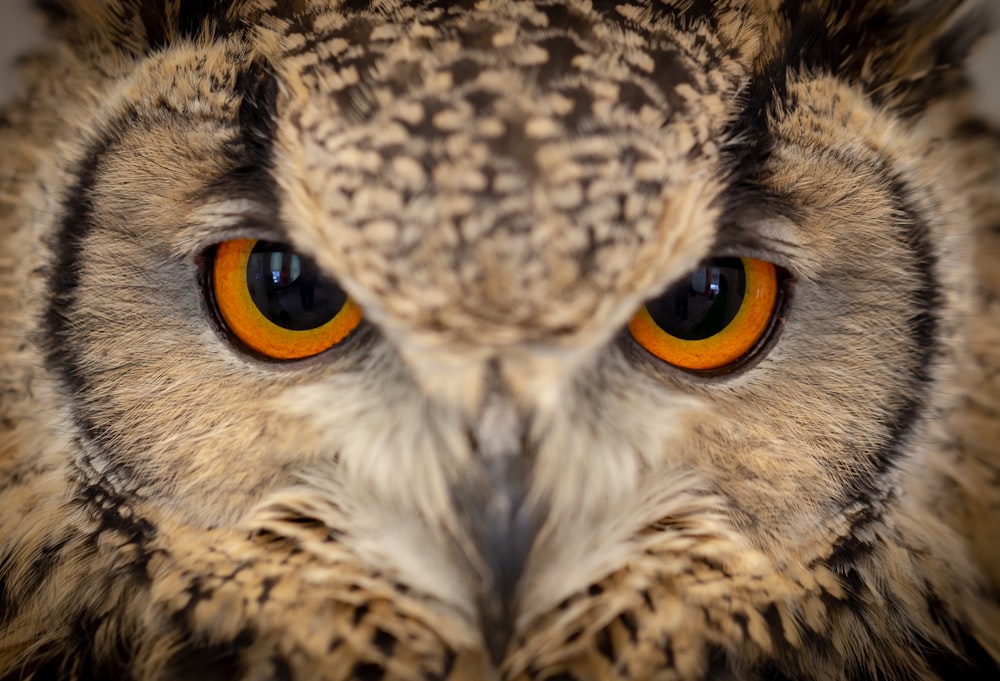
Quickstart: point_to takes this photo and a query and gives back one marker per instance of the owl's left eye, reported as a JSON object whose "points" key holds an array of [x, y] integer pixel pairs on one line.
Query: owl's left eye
{"points": [[276, 302], [714, 318]]}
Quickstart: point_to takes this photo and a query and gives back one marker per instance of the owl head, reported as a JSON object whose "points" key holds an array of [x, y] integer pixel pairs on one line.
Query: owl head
{"points": [[499, 340]]}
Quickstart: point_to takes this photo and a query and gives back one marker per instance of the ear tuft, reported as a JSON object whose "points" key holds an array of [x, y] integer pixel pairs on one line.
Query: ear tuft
{"points": [[141, 26], [906, 54], [164, 22], [932, 39]]}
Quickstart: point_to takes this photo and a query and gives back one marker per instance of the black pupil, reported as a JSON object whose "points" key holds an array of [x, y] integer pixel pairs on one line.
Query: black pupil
{"points": [[289, 289], [704, 303]]}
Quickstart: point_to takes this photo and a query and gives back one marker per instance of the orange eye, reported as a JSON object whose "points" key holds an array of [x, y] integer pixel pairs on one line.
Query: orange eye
{"points": [[713, 318], [277, 302]]}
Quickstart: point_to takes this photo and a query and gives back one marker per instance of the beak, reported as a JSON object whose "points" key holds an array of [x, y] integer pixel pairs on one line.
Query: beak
{"points": [[500, 524]]}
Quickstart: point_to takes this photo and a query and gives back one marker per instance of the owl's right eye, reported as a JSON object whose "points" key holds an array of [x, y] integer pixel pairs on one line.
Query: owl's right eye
{"points": [[277, 302]]}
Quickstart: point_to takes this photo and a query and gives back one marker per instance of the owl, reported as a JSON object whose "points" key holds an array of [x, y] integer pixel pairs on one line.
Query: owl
{"points": [[500, 340]]}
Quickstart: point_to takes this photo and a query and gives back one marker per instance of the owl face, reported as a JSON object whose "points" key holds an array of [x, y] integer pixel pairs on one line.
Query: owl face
{"points": [[492, 340]]}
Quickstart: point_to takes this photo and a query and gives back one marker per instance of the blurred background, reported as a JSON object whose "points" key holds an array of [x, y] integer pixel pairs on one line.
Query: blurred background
{"points": [[19, 28]]}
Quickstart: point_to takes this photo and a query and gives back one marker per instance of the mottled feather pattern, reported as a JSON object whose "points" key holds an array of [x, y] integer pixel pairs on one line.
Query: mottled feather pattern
{"points": [[491, 478]]}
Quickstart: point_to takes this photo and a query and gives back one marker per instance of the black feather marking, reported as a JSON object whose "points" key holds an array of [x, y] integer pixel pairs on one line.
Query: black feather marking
{"points": [[252, 152], [63, 343], [195, 15], [75, 657], [55, 10], [42, 564], [384, 641], [924, 325], [282, 670], [971, 661], [211, 662], [367, 671]]}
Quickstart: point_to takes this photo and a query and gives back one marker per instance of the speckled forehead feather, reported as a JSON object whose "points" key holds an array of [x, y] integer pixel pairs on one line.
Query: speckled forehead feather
{"points": [[496, 149]]}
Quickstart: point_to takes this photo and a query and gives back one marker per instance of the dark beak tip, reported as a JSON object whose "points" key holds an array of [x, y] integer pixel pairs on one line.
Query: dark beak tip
{"points": [[496, 627], [497, 648]]}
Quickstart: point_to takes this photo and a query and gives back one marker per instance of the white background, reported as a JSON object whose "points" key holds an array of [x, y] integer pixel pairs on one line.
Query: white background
{"points": [[19, 28]]}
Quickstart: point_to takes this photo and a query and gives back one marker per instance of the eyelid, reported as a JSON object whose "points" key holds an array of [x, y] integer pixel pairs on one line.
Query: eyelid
{"points": [[763, 234], [221, 221]]}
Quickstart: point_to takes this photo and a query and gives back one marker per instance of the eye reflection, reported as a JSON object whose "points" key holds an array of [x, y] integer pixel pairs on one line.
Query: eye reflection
{"points": [[289, 290]]}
